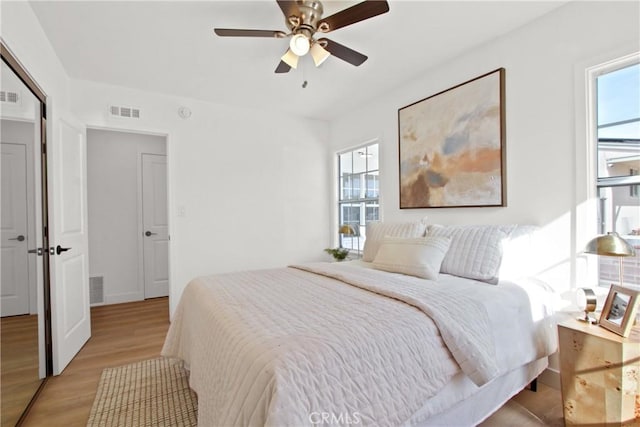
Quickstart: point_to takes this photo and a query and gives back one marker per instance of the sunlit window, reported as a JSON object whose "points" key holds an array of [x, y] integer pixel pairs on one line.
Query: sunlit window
{"points": [[618, 164], [358, 203]]}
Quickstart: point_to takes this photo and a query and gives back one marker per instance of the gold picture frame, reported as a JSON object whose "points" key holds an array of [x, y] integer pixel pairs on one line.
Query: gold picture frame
{"points": [[619, 312]]}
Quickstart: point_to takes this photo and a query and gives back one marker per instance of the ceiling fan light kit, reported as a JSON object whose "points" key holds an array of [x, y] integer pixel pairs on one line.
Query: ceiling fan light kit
{"points": [[299, 44], [319, 54], [290, 58], [304, 19]]}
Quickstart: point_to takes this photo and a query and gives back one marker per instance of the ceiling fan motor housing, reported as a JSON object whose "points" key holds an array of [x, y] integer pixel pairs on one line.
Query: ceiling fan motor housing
{"points": [[306, 21]]}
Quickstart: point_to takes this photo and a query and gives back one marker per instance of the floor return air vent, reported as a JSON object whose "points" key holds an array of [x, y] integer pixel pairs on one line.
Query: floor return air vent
{"points": [[96, 290]]}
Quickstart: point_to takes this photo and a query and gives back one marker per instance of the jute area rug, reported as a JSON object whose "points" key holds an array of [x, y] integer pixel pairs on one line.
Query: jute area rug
{"points": [[153, 393]]}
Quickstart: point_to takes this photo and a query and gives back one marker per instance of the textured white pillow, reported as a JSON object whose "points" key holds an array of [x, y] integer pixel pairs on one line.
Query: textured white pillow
{"points": [[376, 231], [475, 251], [420, 257]]}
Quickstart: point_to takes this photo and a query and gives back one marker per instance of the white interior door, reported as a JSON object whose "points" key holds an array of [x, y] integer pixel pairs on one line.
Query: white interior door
{"points": [[14, 281], [69, 261], [155, 225]]}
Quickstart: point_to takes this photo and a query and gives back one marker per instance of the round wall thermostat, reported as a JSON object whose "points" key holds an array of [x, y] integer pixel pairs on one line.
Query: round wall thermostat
{"points": [[587, 302], [184, 112]]}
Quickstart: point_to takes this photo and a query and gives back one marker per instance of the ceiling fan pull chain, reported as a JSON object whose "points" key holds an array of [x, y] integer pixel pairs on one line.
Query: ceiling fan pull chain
{"points": [[304, 80]]}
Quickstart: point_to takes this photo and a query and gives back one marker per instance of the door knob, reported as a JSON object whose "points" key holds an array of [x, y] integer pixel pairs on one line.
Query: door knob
{"points": [[20, 238], [60, 249], [148, 233]]}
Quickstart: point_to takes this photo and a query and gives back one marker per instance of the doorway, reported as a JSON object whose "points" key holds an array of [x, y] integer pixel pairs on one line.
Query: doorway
{"points": [[128, 219]]}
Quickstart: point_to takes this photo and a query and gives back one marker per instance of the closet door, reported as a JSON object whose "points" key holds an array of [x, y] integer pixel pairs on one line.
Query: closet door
{"points": [[24, 324]]}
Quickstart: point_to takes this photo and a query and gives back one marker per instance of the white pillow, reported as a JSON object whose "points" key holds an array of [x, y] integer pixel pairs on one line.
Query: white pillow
{"points": [[520, 253], [420, 257], [377, 231], [475, 251]]}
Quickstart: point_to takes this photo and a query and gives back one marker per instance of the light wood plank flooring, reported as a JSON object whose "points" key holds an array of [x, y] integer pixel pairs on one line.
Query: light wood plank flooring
{"points": [[19, 377], [127, 333], [120, 334]]}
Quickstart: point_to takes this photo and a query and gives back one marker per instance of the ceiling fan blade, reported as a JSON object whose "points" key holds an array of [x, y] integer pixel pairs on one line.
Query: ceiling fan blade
{"points": [[361, 11], [288, 8], [346, 54], [282, 67], [228, 32]]}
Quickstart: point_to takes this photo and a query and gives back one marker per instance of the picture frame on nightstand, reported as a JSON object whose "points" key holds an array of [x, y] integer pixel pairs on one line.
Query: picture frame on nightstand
{"points": [[619, 312]]}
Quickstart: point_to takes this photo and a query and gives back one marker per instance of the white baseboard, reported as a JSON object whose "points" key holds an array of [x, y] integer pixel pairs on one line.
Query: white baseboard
{"points": [[120, 298], [550, 377]]}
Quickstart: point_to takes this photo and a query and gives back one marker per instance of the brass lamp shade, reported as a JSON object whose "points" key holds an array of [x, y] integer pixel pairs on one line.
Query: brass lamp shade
{"points": [[610, 244], [347, 230]]}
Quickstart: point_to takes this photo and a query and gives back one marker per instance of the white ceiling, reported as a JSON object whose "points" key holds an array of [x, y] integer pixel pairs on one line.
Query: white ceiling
{"points": [[169, 47]]}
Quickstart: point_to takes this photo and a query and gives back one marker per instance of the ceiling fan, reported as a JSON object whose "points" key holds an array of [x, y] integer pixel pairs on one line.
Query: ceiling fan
{"points": [[304, 20]]}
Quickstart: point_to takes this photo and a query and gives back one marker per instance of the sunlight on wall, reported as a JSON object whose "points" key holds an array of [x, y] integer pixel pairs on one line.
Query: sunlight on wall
{"points": [[553, 263], [560, 260], [564, 266]]}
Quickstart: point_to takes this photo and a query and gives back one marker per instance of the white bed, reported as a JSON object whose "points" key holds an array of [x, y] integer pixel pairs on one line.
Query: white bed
{"points": [[344, 343]]}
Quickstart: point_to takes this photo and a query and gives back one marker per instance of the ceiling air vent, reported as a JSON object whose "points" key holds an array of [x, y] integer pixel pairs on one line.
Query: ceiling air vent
{"points": [[10, 97], [127, 112]]}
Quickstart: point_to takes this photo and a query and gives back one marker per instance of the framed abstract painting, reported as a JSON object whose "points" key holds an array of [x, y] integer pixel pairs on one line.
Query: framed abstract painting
{"points": [[452, 146]]}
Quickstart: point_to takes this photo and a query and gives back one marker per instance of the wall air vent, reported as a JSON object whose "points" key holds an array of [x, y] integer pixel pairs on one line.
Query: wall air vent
{"points": [[126, 112], [10, 97]]}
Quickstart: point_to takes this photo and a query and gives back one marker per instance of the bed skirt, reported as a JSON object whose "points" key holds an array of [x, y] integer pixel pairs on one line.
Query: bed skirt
{"points": [[484, 401]]}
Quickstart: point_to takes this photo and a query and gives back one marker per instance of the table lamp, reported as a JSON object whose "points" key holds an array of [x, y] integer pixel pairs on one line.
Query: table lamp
{"points": [[610, 244], [345, 230]]}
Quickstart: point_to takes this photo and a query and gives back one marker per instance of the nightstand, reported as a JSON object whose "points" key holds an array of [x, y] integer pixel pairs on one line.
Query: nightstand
{"points": [[600, 375]]}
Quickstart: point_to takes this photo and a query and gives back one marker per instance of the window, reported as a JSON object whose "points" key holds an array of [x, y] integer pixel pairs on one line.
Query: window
{"points": [[358, 204], [618, 162]]}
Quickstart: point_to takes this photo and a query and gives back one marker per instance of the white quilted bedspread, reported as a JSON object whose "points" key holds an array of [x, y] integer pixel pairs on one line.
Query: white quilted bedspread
{"points": [[281, 347]]}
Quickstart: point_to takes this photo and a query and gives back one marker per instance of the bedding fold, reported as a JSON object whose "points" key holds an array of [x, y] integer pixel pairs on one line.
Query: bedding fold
{"points": [[463, 321]]}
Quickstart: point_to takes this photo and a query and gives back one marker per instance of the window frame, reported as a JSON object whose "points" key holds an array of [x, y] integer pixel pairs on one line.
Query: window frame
{"points": [[364, 201], [590, 211]]}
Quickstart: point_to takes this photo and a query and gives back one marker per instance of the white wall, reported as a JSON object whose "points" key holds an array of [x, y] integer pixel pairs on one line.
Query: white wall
{"points": [[252, 184], [545, 186], [113, 160], [22, 32]]}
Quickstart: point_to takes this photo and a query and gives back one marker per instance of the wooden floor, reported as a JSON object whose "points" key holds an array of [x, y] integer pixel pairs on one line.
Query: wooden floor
{"points": [[19, 378], [120, 334], [131, 332]]}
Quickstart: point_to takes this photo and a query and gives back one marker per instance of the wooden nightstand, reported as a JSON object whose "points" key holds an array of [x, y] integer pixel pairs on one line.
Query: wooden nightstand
{"points": [[600, 375]]}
